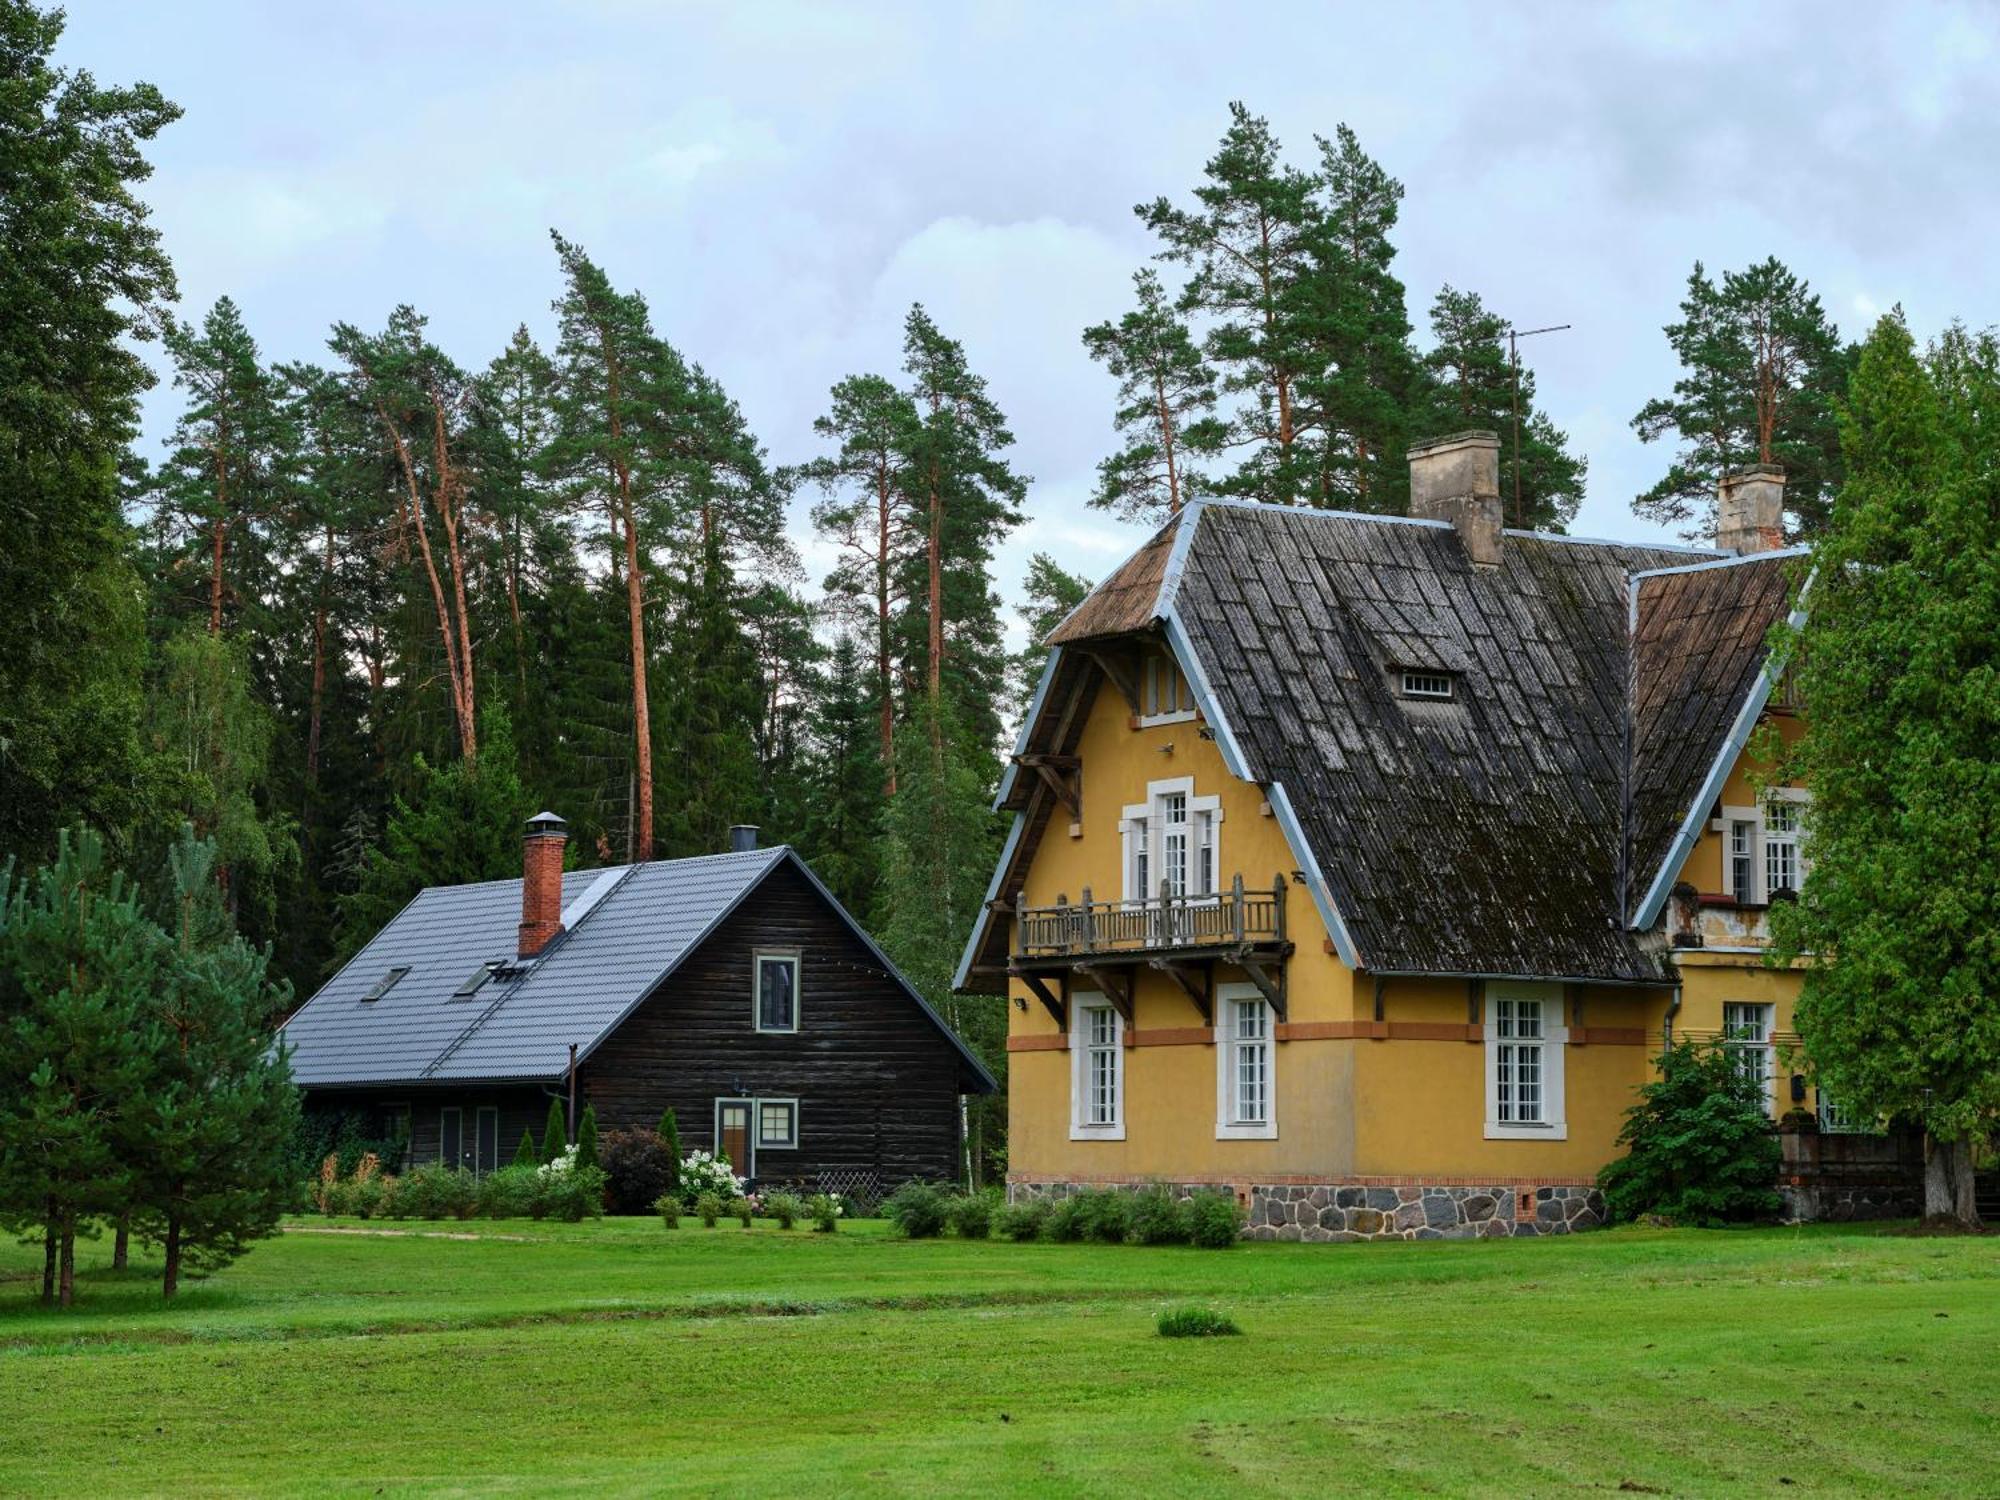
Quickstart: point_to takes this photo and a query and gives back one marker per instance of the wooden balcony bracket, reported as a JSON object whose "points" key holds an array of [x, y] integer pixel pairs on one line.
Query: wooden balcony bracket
{"points": [[1062, 774], [1196, 982], [1051, 1001], [1116, 987], [1119, 673], [1273, 988]]}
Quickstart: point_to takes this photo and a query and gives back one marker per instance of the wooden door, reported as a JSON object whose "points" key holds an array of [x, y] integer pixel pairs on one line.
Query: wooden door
{"points": [[451, 1137], [732, 1135]]}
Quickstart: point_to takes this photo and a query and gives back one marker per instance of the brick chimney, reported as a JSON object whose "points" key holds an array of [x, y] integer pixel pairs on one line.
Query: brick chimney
{"points": [[541, 882], [1457, 479], [1750, 509]]}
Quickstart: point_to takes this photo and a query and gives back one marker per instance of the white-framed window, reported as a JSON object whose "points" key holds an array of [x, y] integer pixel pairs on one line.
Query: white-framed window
{"points": [[1746, 1031], [1097, 1070], [1763, 851], [1420, 684], [775, 990], [1525, 1041], [1165, 696], [1246, 1068], [1173, 838], [1836, 1118], [777, 1124]]}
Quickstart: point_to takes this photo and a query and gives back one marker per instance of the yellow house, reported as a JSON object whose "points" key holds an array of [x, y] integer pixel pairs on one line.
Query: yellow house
{"points": [[1363, 864]]}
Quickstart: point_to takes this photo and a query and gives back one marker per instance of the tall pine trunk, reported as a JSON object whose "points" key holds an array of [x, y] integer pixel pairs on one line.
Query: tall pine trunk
{"points": [[66, 1274], [121, 1243], [642, 716], [1948, 1181], [885, 689], [318, 709], [51, 1238]]}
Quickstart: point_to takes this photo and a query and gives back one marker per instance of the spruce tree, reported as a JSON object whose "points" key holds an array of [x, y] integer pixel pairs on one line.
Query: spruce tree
{"points": [[555, 1132], [842, 831], [1166, 407], [526, 1155], [586, 1137], [1048, 594], [1762, 373], [713, 705], [1469, 383], [1894, 663]]}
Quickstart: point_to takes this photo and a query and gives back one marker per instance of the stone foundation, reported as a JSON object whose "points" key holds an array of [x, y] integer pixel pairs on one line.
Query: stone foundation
{"points": [[1845, 1204], [1328, 1212]]}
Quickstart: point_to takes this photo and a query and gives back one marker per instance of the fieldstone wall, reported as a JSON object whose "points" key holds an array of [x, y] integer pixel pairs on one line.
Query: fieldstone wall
{"points": [[1333, 1212], [1842, 1204]]}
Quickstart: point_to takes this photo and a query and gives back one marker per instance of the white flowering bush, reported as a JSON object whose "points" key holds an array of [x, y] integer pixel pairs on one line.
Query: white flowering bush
{"points": [[705, 1172], [562, 1166]]}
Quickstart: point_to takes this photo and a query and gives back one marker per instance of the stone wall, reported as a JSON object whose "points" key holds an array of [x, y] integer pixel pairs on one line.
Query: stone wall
{"points": [[1329, 1212]]}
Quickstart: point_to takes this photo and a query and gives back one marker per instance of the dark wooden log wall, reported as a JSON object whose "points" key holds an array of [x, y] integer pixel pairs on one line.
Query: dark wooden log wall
{"points": [[877, 1083], [521, 1109]]}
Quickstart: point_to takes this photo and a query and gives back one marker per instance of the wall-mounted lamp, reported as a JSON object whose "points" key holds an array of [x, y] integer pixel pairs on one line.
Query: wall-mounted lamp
{"points": [[1798, 1088], [1020, 1004]]}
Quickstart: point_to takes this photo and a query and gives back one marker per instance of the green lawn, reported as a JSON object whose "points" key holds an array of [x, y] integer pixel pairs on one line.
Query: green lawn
{"points": [[618, 1358]]}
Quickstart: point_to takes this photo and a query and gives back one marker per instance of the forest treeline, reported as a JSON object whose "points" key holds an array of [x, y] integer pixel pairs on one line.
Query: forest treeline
{"points": [[367, 610]]}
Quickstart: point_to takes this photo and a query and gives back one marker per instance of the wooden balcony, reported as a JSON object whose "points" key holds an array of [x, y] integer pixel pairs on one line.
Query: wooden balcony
{"points": [[1182, 936]]}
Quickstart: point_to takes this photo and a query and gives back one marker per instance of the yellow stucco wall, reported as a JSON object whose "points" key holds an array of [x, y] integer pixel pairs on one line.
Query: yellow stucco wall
{"points": [[1406, 1105]]}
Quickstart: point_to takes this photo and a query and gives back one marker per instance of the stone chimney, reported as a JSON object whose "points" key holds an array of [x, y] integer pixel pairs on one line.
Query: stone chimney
{"points": [[1457, 479], [1750, 509], [541, 882], [742, 837]]}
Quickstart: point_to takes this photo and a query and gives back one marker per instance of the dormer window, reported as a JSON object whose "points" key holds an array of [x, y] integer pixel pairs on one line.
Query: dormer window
{"points": [[1762, 854], [385, 984], [1420, 683], [1165, 697]]}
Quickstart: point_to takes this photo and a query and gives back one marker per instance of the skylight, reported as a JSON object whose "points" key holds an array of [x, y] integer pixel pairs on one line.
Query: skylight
{"points": [[385, 984], [474, 981]]}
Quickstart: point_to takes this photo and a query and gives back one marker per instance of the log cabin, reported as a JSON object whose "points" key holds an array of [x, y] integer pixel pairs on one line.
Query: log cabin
{"points": [[1410, 841], [732, 988]]}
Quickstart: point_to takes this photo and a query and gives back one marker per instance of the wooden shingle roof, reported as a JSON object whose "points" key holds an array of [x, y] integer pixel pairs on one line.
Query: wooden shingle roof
{"points": [[1499, 832]]}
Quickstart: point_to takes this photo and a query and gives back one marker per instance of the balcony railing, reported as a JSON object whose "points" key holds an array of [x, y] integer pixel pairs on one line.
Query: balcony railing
{"points": [[1237, 918]]}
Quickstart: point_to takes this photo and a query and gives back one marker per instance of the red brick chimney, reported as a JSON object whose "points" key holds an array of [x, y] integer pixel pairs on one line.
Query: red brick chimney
{"points": [[541, 882]]}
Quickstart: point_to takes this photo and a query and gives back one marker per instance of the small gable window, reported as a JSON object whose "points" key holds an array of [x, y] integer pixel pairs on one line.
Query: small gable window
{"points": [[1422, 684], [777, 985], [1165, 696], [385, 984]]}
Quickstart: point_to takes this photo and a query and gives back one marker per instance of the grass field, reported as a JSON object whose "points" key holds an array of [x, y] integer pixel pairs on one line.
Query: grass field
{"points": [[618, 1358]]}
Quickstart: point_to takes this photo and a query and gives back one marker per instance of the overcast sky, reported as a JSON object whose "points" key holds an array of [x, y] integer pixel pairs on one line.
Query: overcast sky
{"points": [[783, 180]]}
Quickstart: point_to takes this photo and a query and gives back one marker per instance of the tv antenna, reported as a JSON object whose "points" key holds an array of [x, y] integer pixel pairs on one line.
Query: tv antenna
{"points": [[1514, 337]]}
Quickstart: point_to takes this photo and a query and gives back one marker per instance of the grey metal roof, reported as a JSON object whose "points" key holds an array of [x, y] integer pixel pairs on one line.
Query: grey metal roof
{"points": [[626, 929]]}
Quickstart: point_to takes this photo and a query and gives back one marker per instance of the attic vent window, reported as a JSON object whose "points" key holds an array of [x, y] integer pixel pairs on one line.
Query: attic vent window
{"points": [[1427, 684], [475, 981], [385, 984]]}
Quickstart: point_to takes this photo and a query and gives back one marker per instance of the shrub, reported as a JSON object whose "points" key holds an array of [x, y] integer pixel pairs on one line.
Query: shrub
{"points": [[1022, 1221], [637, 1169], [825, 1211], [1158, 1217], [703, 1172], [1196, 1323], [435, 1191], [366, 1197], [1214, 1220], [573, 1194], [786, 1208], [708, 1208], [1699, 1144], [918, 1209], [555, 1132], [668, 1207], [1067, 1220], [742, 1210], [972, 1215], [508, 1193], [527, 1155], [1107, 1215]]}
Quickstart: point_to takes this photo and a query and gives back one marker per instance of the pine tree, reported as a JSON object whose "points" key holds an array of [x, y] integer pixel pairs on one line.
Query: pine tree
{"points": [[1048, 594], [1900, 1011], [1246, 244], [713, 706], [224, 479], [211, 1132], [526, 1155], [1762, 372], [555, 1132], [586, 1137], [81, 280], [863, 517], [78, 960], [1357, 375], [1469, 383], [1166, 407]]}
